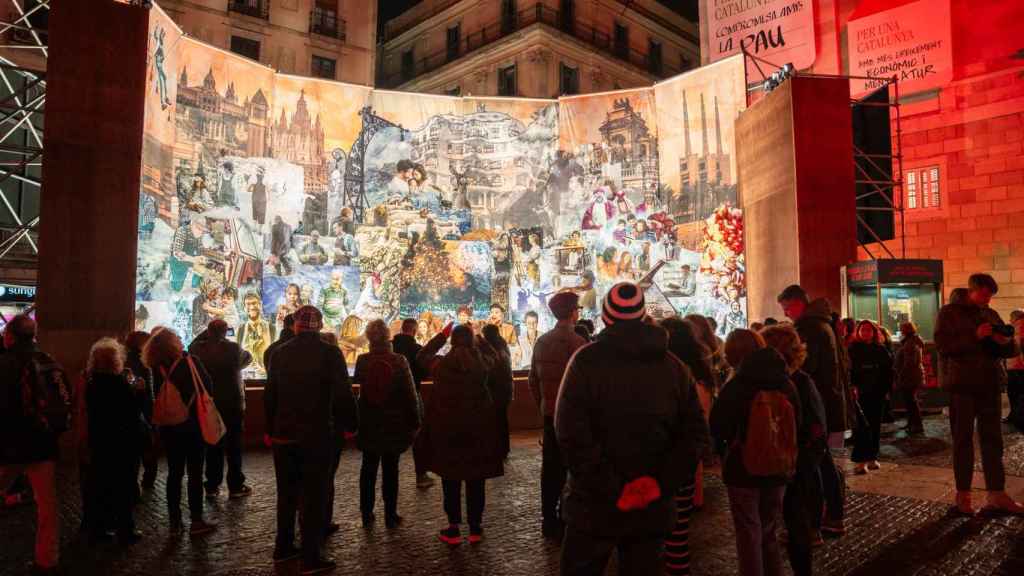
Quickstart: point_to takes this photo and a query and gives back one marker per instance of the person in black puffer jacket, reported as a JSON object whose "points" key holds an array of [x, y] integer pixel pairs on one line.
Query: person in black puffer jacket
{"points": [[500, 380], [755, 501], [630, 429], [389, 419], [871, 373]]}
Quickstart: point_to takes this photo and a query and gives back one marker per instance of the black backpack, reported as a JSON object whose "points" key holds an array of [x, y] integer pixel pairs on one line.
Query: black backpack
{"points": [[45, 394]]}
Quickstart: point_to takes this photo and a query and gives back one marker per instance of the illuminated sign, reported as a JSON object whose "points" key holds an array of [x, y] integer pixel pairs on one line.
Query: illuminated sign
{"points": [[14, 293], [911, 43], [780, 31]]}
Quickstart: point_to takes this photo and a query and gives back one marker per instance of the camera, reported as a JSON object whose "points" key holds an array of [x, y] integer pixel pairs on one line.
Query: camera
{"points": [[1005, 330]]}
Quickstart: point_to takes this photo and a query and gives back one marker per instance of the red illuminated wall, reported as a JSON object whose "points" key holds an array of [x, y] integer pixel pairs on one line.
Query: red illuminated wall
{"points": [[972, 130]]}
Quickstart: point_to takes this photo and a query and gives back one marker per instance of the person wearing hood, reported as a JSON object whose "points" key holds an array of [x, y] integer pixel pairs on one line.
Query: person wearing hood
{"points": [[389, 419], [910, 375], [625, 386], [973, 343], [755, 500], [461, 431], [825, 366], [404, 343]]}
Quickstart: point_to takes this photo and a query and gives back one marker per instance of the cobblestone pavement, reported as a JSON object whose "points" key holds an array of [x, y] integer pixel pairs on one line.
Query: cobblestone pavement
{"points": [[935, 448], [887, 534]]}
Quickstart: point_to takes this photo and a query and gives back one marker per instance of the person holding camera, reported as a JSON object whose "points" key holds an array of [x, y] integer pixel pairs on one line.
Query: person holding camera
{"points": [[973, 341]]}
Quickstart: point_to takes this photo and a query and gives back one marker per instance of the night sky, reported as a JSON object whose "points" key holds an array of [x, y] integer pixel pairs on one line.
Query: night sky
{"points": [[388, 9]]}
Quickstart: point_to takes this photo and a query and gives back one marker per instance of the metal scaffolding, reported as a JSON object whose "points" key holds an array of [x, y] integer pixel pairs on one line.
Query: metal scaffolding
{"points": [[21, 117]]}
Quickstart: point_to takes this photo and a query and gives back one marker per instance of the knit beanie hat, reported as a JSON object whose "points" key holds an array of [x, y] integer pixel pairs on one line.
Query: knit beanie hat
{"points": [[624, 302]]}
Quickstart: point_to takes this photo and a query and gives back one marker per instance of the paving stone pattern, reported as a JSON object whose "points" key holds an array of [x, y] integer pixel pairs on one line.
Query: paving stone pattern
{"points": [[888, 535]]}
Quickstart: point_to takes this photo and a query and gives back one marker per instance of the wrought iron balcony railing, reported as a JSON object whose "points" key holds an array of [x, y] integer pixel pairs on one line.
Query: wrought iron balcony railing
{"points": [[254, 8]]}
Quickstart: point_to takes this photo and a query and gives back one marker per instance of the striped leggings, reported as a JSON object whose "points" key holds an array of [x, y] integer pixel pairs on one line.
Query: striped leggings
{"points": [[677, 545]]}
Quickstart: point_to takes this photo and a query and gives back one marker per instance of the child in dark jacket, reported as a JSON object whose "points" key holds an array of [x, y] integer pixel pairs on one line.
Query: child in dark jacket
{"points": [[755, 501], [802, 504]]}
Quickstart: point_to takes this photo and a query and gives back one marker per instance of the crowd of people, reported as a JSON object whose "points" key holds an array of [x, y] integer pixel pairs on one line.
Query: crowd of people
{"points": [[631, 415]]}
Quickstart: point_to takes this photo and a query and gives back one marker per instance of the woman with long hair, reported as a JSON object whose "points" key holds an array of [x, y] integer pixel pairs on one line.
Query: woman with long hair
{"points": [[389, 419], [871, 374], [461, 432], [910, 375], [499, 380], [351, 339], [165, 355], [683, 342]]}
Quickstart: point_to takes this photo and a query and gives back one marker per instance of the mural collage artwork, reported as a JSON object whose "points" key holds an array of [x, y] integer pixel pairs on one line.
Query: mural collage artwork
{"points": [[263, 192]]}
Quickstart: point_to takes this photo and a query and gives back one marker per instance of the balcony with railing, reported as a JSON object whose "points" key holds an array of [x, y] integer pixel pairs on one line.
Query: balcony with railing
{"points": [[597, 38], [326, 24], [254, 8]]}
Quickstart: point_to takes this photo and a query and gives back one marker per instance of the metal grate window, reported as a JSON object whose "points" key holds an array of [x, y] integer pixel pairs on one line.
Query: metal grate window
{"points": [[246, 47], [324, 67]]}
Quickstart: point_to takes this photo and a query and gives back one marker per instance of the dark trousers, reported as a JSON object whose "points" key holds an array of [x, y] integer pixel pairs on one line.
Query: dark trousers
{"points": [[833, 487], [868, 436], [984, 408], [552, 475], [801, 512], [302, 470], [475, 498], [587, 555], [335, 462], [87, 487], [909, 398], [389, 483], [755, 513], [148, 461], [185, 450], [677, 544], [112, 481], [230, 448], [1015, 392]]}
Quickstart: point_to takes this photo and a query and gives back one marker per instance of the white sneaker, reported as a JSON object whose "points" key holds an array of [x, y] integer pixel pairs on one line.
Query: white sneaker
{"points": [[874, 465]]}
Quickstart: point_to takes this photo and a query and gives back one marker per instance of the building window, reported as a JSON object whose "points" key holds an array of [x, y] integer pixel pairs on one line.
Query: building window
{"points": [[684, 62], [567, 14], [508, 16], [654, 61], [621, 41], [323, 67], [408, 65], [323, 20], [922, 188], [569, 80], [507, 81], [454, 91], [246, 47], [454, 39]]}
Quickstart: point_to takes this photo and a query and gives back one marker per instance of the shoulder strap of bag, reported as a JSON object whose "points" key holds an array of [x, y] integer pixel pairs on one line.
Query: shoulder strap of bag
{"points": [[197, 380], [167, 378]]}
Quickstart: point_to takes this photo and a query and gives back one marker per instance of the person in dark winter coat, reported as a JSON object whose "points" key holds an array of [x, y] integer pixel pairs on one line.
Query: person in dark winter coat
{"points": [[389, 419], [224, 361], [682, 341], [164, 354], [872, 377], [802, 504], [910, 375], [404, 343], [308, 406], [551, 355], [461, 430], [972, 346], [499, 380], [145, 395], [827, 368], [28, 439], [115, 440], [755, 501], [625, 386]]}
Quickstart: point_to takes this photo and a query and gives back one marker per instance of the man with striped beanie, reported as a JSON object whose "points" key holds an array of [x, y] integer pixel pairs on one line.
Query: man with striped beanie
{"points": [[630, 428]]}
